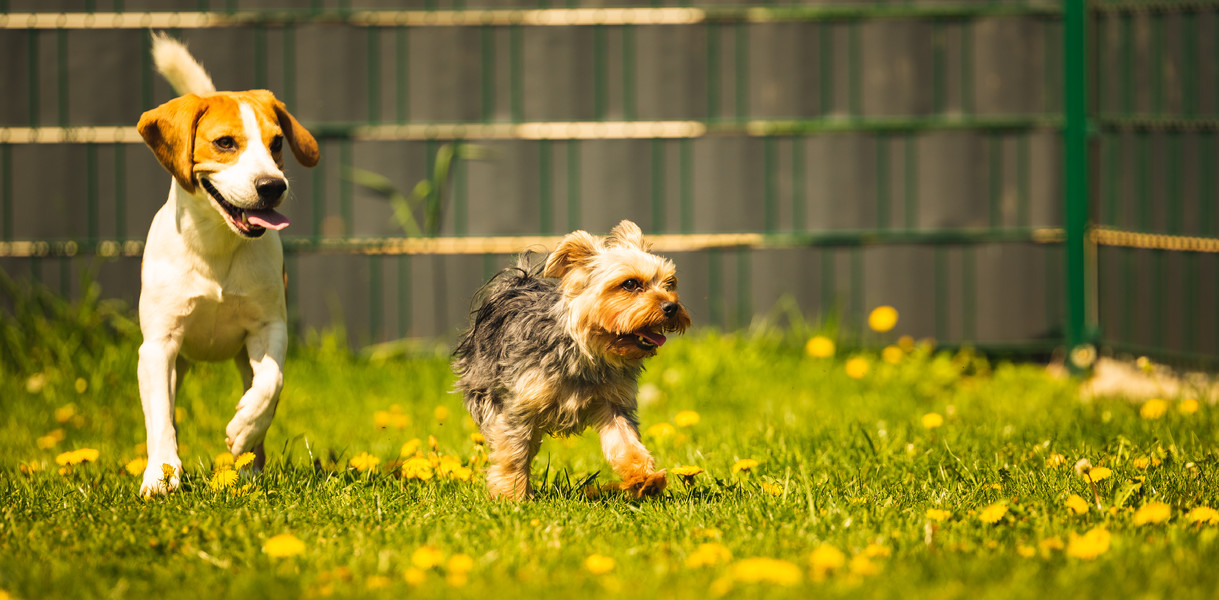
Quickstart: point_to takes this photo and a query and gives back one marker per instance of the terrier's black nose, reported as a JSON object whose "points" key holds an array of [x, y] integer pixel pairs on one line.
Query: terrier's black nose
{"points": [[270, 188], [669, 308]]}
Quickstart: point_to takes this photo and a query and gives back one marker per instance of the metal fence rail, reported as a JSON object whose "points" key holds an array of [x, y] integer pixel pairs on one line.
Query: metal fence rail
{"points": [[841, 154]]}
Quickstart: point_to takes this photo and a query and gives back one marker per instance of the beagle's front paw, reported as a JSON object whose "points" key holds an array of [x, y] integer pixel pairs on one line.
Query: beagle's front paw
{"points": [[161, 477]]}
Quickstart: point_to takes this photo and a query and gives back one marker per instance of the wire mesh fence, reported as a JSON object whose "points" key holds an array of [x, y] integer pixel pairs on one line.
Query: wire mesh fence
{"points": [[831, 156]]}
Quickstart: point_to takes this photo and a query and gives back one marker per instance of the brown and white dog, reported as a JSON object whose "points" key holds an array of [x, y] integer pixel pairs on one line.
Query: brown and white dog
{"points": [[212, 281]]}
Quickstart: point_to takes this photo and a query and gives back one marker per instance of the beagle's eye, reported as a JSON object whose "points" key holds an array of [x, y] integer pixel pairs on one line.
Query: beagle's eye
{"points": [[277, 144], [225, 143], [632, 285]]}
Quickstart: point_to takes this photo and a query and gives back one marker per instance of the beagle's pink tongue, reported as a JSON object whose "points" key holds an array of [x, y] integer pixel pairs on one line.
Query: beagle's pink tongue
{"points": [[651, 336], [267, 218]]}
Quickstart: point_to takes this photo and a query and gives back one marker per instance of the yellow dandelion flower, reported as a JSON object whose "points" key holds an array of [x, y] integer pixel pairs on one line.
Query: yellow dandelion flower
{"points": [[35, 383], [135, 467], [417, 468], [708, 554], [441, 413], [686, 418], [993, 513], [1077, 504], [1055, 460], [932, 420], [414, 576], [1089, 545], [826, 559], [1049, 545], [876, 551], [410, 447], [882, 318], [457, 579], [1141, 463], [76, 457], [283, 545], [745, 464], [686, 470], [478, 438], [1153, 513], [1153, 409], [46, 442], [766, 570], [223, 461], [168, 471], [772, 489], [857, 368], [223, 479], [65, 413], [1100, 473], [1188, 406], [363, 462], [1203, 515], [243, 460], [863, 566], [661, 431], [427, 557], [938, 515], [892, 354], [81, 385], [599, 564], [819, 346], [460, 563], [376, 582]]}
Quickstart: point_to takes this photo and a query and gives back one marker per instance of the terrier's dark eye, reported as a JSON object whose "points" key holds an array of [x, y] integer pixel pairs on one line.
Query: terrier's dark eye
{"points": [[225, 143], [277, 143], [632, 285]]}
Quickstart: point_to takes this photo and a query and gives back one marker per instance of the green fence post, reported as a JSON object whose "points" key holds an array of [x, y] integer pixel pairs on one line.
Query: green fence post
{"points": [[1075, 177]]}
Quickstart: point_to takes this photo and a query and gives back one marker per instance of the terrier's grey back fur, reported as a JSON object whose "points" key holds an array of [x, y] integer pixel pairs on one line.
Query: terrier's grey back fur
{"points": [[515, 329]]}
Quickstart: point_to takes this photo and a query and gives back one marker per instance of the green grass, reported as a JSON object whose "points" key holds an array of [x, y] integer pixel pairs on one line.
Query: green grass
{"points": [[842, 462]]}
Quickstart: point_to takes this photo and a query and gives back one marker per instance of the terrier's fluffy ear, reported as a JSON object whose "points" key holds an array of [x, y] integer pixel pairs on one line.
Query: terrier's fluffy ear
{"points": [[575, 250], [627, 234]]}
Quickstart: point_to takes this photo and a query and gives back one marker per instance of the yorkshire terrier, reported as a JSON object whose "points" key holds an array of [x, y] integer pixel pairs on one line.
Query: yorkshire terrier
{"points": [[558, 347]]}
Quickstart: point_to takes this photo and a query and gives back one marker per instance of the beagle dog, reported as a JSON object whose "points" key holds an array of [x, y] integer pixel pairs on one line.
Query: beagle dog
{"points": [[212, 279]]}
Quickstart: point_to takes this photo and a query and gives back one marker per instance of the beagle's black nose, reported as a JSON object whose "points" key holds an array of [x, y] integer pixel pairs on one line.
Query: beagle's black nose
{"points": [[270, 188], [669, 308]]}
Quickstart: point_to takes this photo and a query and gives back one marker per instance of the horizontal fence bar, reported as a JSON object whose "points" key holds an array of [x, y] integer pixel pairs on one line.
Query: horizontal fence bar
{"points": [[576, 130], [512, 17], [1107, 236], [1152, 6], [685, 242], [1168, 123]]}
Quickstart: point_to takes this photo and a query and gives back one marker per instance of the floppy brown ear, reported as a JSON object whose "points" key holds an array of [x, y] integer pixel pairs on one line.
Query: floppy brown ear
{"points": [[169, 130], [575, 249], [304, 147], [627, 234]]}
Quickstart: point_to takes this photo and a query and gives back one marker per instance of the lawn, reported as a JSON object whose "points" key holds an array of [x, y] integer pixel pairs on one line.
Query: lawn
{"points": [[902, 472]]}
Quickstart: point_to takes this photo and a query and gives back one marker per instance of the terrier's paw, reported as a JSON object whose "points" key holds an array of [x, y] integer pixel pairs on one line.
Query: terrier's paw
{"points": [[650, 484], [161, 477]]}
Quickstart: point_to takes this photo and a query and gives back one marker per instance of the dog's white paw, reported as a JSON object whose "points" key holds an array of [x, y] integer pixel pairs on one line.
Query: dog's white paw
{"points": [[242, 433], [161, 477]]}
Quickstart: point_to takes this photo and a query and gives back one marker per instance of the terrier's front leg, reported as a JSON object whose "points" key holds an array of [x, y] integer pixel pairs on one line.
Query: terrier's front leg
{"points": [[626, 454], [513, 447]]}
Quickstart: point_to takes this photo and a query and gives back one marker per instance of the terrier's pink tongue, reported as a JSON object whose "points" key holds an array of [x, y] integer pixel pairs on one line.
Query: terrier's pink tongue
{"points": [[267, 218], [655, 338]]}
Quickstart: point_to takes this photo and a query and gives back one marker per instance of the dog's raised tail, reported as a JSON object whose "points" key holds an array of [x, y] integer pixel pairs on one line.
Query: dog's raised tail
{"points": [[175, 63]]}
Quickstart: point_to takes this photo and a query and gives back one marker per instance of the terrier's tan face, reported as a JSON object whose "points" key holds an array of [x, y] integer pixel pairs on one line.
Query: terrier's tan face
{"points": [[622, 299]]}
